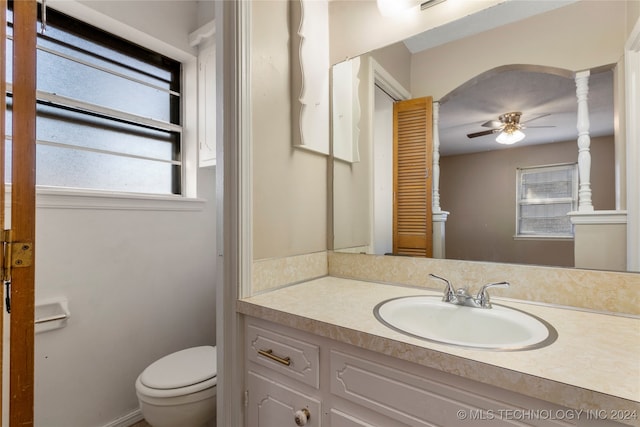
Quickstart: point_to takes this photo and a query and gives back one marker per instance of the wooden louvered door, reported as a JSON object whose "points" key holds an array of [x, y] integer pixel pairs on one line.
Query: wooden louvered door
{"points": [[412, 186]]}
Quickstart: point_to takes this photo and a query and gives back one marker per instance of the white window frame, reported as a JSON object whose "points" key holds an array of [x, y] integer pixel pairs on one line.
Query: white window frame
{"points": [[63, 198], [573, 200]]}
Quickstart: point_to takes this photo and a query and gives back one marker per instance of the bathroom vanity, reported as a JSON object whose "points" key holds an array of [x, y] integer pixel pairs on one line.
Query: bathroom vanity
{"points": [[316, 355]]}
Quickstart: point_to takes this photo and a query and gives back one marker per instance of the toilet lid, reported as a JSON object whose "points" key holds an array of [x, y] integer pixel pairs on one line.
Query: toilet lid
{"points": [[181, 369]]}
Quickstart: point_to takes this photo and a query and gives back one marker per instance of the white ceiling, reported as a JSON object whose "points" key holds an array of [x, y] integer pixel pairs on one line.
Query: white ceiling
{"points": [[532, 93]]}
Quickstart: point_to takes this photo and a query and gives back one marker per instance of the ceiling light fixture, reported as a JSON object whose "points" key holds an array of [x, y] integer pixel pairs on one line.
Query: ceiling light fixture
{"points": [[429, 3], [510, 135], [391, 8]]}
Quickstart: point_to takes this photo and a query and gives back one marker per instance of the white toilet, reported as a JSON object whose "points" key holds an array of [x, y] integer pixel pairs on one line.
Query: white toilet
{"points": [[179, 390]]}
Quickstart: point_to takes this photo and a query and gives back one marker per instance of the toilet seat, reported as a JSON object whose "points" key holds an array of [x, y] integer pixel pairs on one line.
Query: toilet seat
{"points": [[183, 372]]}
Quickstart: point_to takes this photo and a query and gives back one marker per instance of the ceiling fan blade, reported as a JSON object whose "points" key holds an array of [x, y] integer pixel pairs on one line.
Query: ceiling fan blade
{"points": [[536, 127], [484, 132], [492, 124], [536, 118]]}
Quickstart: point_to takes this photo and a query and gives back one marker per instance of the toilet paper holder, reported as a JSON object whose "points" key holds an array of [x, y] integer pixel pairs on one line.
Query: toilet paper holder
{"points": [[51, 314]]}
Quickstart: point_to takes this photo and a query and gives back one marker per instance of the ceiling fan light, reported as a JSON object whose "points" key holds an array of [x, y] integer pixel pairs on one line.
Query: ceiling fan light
{"points": [[508, 138]]}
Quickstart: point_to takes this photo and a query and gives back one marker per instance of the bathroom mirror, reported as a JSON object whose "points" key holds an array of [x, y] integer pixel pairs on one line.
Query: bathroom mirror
{"points": [[461, 75]]}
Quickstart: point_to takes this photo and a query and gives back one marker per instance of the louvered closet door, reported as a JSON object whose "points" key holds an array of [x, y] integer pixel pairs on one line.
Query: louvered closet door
{"points": [[413, 153]]}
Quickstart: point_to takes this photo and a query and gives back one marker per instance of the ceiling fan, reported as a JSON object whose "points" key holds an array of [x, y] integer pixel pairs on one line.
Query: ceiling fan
{"points": [[509, 127]]}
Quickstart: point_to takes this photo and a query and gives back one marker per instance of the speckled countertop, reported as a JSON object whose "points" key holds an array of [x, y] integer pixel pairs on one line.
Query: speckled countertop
{"points": [[594, 364]]}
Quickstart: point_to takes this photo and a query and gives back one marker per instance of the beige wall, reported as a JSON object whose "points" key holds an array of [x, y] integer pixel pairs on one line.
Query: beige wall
{"points": [[633, 13], [289, 185], [480, 192], [396, 60]]}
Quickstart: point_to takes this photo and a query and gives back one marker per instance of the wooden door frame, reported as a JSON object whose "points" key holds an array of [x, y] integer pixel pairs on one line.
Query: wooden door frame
{"points": [[21, 375], [380, 77], [3, 129]]}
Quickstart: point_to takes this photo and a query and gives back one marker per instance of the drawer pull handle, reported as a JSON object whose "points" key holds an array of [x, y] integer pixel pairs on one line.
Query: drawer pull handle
{"points": [[269, 353], [302, 417]]}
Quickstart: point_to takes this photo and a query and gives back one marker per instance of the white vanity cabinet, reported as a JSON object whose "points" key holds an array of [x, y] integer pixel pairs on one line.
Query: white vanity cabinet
{"points": [[340, 385]]}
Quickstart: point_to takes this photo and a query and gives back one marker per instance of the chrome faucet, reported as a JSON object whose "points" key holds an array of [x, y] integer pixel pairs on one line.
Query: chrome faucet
{"points": [[449, 291], [462, 296]]}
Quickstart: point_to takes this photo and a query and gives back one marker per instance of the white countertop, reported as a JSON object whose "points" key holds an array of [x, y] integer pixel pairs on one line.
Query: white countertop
{"points": [[594, 363]]}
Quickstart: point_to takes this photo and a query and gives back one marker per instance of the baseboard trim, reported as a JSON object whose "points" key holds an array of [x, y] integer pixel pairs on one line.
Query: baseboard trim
{"points": [[126, 420]]}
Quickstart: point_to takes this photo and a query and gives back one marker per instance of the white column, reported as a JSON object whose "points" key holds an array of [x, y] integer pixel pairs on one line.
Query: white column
{"points": [[600, 240], [632, 84], [584, 142], [436, 160], [439, 216], [439, 223]]}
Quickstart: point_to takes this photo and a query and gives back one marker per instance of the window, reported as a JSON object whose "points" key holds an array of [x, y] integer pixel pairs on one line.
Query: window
{"points": [[108, 111], [545, 195]]}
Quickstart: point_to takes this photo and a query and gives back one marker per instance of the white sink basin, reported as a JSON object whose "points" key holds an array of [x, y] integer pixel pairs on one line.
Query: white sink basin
{"points": [[498, 328]]}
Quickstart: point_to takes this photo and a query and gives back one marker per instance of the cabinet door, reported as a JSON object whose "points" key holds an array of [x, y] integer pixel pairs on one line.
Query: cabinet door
{"points": [[272, 404], [207, 105]]}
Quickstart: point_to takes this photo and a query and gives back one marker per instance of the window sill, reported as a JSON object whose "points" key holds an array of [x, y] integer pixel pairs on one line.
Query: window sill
{"points": [[68, 198], [545, 238]]}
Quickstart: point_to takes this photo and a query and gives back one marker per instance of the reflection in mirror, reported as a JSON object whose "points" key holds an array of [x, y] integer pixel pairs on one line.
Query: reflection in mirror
{"points": [[345, 111], [477, 178]]}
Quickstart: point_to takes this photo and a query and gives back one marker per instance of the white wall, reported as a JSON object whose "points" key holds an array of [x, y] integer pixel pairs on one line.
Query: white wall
{"points": [[174, 20], [140, 283]]}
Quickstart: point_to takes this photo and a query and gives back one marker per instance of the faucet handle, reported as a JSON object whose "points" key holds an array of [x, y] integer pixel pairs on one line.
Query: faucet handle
{"points": [[449, 292], [483, 296]]}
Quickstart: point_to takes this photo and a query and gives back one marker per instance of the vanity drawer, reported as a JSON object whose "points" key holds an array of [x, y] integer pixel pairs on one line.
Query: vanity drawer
{"points": [[287, 355]]}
